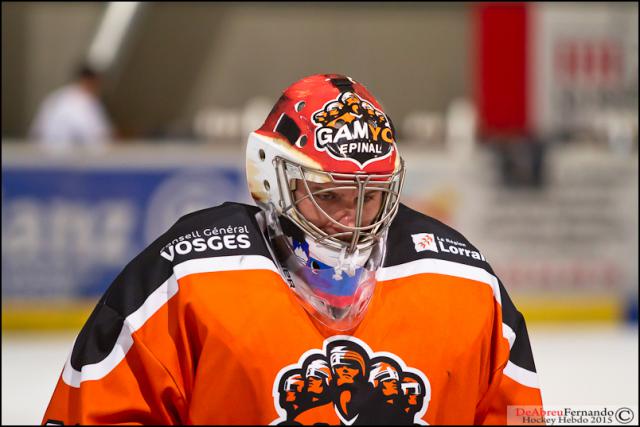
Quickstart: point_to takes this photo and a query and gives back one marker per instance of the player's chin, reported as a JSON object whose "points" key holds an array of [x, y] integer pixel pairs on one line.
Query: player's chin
{"points": [[346, 237], [339, 233]]}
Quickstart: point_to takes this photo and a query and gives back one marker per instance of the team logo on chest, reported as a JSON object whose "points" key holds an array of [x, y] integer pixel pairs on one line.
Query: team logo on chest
{"points": [[351, 128], [347, 383]]}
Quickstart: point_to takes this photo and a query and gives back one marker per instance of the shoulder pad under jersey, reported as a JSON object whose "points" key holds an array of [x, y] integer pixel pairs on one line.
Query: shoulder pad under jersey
{"points": [[228, 230], [414, 236]]}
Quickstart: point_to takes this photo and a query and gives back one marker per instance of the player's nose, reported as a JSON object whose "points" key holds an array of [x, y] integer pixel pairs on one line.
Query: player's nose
{"points": [[346, 215]]}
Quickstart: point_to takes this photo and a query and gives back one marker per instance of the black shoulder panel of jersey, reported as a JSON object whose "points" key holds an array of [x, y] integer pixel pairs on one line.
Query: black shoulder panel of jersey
{"points": [[225, 230], [520, 353], [414, 236]]}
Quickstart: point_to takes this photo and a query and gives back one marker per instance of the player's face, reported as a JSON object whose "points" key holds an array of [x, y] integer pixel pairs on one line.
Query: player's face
{"points": [[315, 385], [292, 393], [346, 374], [340, 204], [390, 388], [293, 389]]}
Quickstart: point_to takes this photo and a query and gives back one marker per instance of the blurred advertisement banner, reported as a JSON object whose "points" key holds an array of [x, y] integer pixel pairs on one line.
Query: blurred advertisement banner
{"points": [[557, 70], [566, 249], [585, 71], [68, 231]]}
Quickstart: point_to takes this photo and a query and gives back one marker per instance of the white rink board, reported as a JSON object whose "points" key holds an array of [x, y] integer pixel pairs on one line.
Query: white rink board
{"points": [[577, 364]]}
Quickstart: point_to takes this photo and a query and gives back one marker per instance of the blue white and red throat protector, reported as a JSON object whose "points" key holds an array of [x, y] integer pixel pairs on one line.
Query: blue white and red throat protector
{"points": [[332, 286]]}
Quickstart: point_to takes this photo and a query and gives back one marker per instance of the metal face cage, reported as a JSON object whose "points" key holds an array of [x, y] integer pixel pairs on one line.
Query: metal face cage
{"points": [[357, 237]]}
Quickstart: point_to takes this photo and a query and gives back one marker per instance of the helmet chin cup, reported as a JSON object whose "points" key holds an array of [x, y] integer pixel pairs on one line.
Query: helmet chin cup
{"points": [[316, 288]]}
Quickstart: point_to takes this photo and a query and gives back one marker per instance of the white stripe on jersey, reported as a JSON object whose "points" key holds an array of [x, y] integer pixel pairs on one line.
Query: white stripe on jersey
{"points": [[521, 375], [449, 268], [439, 266], [152, 304], [169, 288]]}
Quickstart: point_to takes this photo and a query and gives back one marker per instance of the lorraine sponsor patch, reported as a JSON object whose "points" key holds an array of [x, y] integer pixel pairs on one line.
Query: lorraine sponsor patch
{"points": [[351, 128], [424, 242], [347, 382]]}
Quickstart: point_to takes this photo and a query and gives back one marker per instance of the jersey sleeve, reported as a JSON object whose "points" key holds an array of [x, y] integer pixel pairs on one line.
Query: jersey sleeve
{"points": [[135, 359], [121, 369], [513, 379], [136, 389]]}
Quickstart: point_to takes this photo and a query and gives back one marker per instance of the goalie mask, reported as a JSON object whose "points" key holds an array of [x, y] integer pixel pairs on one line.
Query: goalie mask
{"points": [[325, 169]]}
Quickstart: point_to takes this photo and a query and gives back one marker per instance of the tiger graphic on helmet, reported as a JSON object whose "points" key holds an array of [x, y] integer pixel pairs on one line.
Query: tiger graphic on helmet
{"points": [[354, 384], [351, 128]]}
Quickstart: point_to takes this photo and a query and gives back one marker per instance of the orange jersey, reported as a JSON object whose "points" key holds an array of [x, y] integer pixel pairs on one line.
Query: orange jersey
{"points": [[202, 328]]}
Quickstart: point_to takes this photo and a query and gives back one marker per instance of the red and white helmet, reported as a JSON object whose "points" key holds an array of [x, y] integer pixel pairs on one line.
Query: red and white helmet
{"points": [[326, 128]]}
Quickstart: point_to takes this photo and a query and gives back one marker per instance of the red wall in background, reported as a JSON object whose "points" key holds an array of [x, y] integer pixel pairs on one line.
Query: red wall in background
{"points": [[501, 67]]}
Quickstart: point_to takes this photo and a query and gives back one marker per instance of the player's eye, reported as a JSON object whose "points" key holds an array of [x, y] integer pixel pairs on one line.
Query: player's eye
{"points": [[326, 197], [369, 196]]}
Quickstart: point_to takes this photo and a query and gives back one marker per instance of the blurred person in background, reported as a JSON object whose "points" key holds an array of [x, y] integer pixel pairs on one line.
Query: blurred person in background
{"points": [[73, 116], [208, 321]]}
